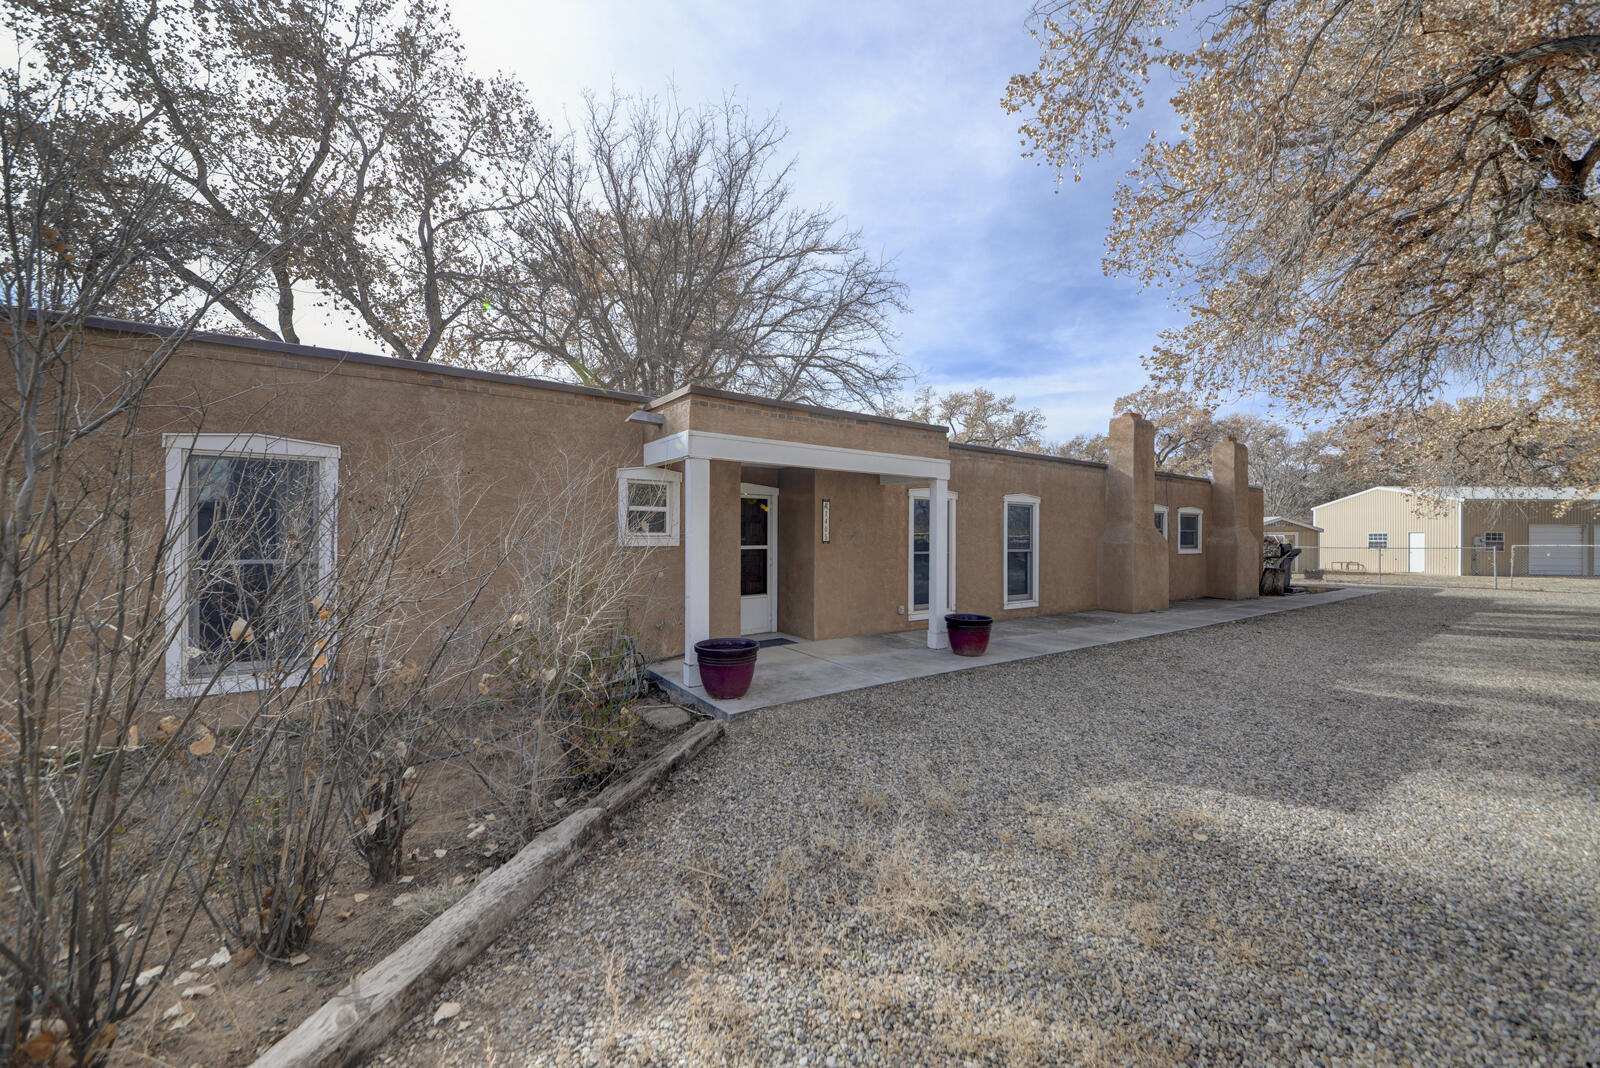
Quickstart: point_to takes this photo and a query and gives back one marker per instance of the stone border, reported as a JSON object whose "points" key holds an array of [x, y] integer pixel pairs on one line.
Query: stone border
{"points": [[371, 1007]]}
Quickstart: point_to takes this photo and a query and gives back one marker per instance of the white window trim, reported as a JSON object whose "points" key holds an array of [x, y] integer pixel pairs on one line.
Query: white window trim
{"points": [[1199, 532], [178, 448], [1166, 521], [1033, 557], [673, 480], [1495, 546], [1377, 534], [914, 493]]}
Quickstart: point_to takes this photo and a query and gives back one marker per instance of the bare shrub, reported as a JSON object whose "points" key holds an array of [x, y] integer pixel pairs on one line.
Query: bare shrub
{"points": [[563, 652]]}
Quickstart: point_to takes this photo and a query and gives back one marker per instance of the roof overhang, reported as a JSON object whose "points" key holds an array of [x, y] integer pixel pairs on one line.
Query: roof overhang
{"points": [[768, 452]]}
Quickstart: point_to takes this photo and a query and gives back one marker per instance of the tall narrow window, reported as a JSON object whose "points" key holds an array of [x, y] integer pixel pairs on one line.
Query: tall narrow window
{"points": [[254, 546], [1161, 520], [920, 578], [1022, 550], [921, 552]]}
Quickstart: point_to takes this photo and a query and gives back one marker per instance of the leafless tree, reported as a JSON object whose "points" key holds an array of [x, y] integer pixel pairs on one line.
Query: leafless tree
{"points": [[667, 249], [347, 135], [978, 417]]}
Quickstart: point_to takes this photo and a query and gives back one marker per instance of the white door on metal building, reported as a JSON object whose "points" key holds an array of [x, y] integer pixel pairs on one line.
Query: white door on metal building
{"points": [[1554, 549], [1416, 552]]}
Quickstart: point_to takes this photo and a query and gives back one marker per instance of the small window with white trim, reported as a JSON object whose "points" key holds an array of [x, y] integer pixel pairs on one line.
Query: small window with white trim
{"points": [[1378, 541], [1161, 520], [647, 506], [1021, 534], [1190, 533], [254, 547], [1494, 541]]}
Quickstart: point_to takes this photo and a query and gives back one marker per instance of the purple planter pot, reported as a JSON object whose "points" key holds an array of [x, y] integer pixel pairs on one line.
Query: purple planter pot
{"points": [[726, 666], [969, 633]]}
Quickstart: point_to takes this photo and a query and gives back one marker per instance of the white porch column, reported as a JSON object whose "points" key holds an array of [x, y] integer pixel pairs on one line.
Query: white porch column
{"points": [[938, 562], [696, 563]]}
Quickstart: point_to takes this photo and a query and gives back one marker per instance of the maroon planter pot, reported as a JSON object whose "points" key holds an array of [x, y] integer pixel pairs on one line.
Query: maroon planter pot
{"points": [[726, 666], [969, 633]]}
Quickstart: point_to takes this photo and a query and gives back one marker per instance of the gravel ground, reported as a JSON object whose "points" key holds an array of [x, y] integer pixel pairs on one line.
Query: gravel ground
{"points": [[1362, 833]]}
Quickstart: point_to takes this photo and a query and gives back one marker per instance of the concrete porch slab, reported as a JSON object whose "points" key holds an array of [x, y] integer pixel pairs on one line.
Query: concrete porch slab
{"points": [[805, 669]]}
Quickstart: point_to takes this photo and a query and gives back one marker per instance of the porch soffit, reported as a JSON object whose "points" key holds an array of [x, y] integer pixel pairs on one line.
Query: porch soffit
{"points": [[709, 445]]}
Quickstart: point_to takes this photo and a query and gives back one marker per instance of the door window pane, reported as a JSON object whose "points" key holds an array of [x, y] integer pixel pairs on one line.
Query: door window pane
{"points": [[753, 514], [752, 572]]}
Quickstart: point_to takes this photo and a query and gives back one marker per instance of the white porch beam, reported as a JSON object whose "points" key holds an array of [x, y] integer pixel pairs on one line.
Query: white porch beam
{"points": [[768, 452], [696, 563], [938, 565]]}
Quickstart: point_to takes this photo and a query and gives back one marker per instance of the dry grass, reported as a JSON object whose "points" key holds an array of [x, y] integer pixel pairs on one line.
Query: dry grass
{"points": [[904, 893]]}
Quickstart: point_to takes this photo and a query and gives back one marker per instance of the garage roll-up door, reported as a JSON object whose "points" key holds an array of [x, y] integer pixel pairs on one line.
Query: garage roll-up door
{"points": [[1553, 549]]}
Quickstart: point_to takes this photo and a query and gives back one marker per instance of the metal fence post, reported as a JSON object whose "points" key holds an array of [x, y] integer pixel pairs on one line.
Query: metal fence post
{"points": [[1496, 557]]}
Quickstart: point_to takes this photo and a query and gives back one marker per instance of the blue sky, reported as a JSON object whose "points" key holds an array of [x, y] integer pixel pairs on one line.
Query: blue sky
{"points": [[894, 115]]}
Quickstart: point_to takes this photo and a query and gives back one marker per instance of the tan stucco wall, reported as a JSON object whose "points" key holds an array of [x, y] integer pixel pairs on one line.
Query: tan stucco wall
{"points": [[1345, 525], [1188, 570], [502, 437], [1072, 511]]}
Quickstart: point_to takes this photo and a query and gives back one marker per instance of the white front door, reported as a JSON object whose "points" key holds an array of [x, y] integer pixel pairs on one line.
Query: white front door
{"points": [[758, 559], [1417, 552]]}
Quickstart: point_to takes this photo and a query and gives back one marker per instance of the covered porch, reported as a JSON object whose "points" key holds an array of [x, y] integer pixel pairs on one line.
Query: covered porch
{"points": [[802, 670], [785, 536]]}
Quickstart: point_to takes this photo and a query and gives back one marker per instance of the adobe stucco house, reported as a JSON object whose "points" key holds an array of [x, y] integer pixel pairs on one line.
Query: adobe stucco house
{"points": [[762, 517], [1470, 530]]}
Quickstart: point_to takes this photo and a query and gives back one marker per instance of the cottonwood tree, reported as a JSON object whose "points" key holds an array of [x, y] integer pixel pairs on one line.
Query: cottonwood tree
{"points": [[1392, 202], [347, 136], [667, 248], [977, 417]]}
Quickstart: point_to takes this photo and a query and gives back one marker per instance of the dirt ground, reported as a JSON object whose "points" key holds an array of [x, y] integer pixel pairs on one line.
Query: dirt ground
{"points": [[234, 1011]]}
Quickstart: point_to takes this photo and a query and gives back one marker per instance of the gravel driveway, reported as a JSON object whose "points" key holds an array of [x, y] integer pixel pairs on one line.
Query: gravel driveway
{"points": [[1365, 833]]}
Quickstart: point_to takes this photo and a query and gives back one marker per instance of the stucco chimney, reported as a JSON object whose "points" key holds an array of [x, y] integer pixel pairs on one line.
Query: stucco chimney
{"points": [[1134, 573], [1233, 555]]}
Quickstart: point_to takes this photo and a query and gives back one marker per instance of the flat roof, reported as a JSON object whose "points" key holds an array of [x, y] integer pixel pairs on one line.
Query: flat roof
{"points": [[284, 348], [793, 406]]}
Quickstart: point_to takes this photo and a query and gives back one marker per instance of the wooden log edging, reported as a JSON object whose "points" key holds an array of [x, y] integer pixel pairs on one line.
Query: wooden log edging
{"points": [[372, 1006]]}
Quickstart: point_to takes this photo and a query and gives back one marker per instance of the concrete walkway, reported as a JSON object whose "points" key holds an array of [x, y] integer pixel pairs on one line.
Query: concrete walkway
{"points": [[797, 672]]}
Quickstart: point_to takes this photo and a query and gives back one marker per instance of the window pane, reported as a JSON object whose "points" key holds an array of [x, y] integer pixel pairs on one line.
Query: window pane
{"points": [[1019, 578], [1019, 527], [752, 572], [919, 582], [255, 555], [919, 526], [252, 508], [1161, 522], [753, 520], [647, 495], [647, 520]]}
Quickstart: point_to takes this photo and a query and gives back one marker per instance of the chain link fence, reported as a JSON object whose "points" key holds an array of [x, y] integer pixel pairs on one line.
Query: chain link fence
{"points": [[1563, 567]]}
